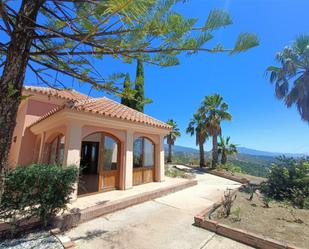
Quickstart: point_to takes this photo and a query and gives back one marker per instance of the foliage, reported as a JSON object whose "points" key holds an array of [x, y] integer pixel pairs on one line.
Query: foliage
{"points": [[129, 94], [139, 87], [291, 79], [134, 98], [252, 166], [197, 127], [174, 173], [289, 180], [171, 137], [67, 33], [57, 40], [225, 148], [230, 167], [215, 111], [37, 191], [236, 215]]}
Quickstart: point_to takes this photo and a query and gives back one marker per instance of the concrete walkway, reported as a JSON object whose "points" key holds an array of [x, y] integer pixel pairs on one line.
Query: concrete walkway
{"points": [[164, 223]]}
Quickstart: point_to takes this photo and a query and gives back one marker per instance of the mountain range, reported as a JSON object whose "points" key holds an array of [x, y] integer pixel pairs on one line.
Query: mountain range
{"points": [[242, 150], [250, 161]]}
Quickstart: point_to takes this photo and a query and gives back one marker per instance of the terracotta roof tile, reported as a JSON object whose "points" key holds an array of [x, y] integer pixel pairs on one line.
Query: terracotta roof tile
{"points": [[108, 107], [102, 106], [63, 94]]}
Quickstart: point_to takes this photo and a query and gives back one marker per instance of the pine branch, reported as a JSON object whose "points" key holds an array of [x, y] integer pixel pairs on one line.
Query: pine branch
{"points": [[167, 50], [5, 18], [72, 73]]}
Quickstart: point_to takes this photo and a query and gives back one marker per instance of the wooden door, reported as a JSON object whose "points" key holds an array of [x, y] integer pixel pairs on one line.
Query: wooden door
{"points": [[88, 182], [143, 161], [110, 163]]}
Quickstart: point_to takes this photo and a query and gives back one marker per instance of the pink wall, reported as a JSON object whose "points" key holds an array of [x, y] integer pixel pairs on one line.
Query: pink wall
{"points": [[31, 109], [17, 134]]}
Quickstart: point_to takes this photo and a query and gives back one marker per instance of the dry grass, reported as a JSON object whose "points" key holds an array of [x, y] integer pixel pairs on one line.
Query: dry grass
{"points": [[281, 222]]}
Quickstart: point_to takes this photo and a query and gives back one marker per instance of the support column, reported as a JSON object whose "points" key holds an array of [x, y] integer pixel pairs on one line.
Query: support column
{"points": [[160, 164], [41, 151], [128, 164], [72, 148]]}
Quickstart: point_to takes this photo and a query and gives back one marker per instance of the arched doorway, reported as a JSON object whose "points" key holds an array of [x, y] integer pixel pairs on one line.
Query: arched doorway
{"points": [[143, 161], [99, 163]]}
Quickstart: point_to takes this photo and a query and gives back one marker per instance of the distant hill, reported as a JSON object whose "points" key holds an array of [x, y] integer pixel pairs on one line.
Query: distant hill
{"points": [[178, 148], [242, 150], [248, 151], [254, 162]]}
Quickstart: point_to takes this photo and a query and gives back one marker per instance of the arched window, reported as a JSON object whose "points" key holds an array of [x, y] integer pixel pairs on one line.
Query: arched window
{"points": [[56, 150], [110, 154], [143, 153]]}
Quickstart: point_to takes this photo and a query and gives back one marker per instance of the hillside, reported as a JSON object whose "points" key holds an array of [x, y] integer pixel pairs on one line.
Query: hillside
{"points": [[252, 162]]}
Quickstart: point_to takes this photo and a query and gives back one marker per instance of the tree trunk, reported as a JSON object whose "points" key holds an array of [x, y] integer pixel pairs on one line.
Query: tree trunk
{"points": [[214, 151], [223, 158], [12, 79], [202, 155], [169, 157]]}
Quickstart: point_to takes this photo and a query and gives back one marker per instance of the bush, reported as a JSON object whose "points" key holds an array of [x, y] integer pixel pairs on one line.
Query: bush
{"points": [[289, 180], [230, 167], [37, 191]]}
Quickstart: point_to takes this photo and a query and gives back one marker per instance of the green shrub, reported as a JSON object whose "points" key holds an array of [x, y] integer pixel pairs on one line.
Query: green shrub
{"points": [[289, 180], [37, 191], [230, 167], [236, 215], [174, 173]]}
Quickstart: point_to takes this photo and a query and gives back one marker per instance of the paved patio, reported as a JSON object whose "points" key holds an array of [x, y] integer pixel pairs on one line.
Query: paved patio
{"points": [[163, 223], [116, 195]]}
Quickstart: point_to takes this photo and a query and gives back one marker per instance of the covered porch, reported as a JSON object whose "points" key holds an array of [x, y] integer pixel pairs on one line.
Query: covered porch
{"points": [[111, 154]]}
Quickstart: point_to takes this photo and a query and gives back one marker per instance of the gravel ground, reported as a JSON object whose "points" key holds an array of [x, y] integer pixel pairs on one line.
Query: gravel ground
{"points": [[36, 240]]}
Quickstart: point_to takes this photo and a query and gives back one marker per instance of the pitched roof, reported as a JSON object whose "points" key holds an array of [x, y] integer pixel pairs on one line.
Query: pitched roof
{"points": [[102, 106], [62, 94]]}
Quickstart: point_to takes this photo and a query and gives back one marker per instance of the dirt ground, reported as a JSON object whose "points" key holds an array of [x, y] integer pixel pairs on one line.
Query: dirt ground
{"points": [[280, 222]]}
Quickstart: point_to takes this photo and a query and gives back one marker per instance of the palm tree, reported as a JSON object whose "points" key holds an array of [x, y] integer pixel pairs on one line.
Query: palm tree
{"points": [[216, 111], [197, 127], [291, 79], [226, 148], [171, 138]]}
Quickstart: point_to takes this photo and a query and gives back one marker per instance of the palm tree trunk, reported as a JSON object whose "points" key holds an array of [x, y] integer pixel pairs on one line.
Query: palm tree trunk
{"points": [[223, 158], [214, 151], [202, 155], [12, 79], [169, 157]]}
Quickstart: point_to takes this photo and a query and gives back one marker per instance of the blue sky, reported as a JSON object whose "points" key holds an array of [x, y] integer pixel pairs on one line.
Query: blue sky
{"points": [[260, 121]]}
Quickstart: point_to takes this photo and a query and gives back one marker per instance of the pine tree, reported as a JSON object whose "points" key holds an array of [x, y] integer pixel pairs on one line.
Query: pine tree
{"points": [[139, 87], [69, 34]]}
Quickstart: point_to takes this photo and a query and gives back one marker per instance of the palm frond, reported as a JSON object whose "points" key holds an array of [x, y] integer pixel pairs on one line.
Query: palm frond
{"points": [[291, 78]]}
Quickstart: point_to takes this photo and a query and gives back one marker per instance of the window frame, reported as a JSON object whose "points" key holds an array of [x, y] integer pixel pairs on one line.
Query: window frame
{"points": [[57, 139], [142, 166]]}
